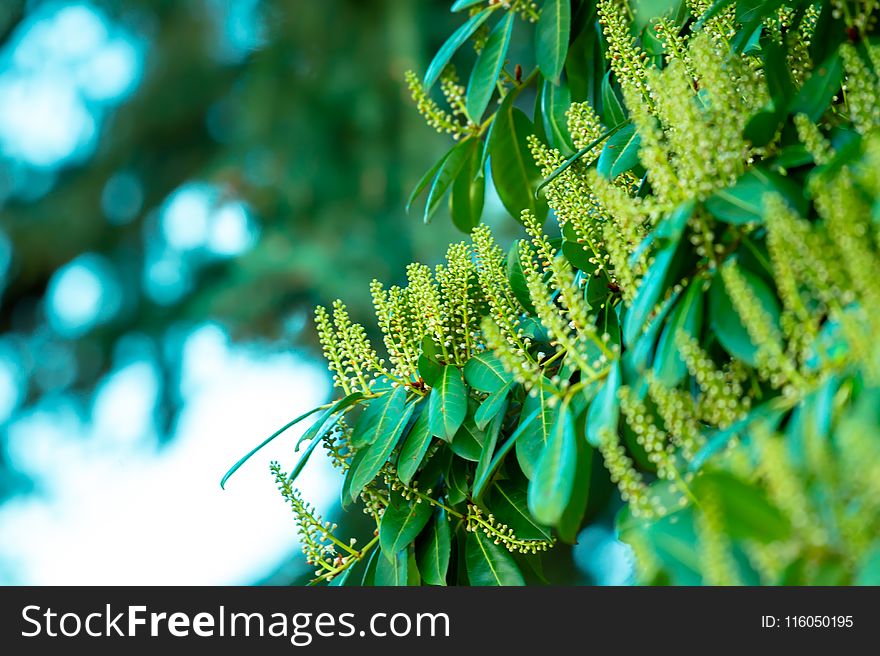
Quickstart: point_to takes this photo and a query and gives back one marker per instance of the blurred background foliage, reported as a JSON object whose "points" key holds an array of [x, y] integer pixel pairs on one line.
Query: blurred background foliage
{"points": [[171, 164], [181, 181]]}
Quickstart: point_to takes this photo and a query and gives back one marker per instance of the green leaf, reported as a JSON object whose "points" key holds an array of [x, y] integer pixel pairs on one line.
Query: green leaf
{"points": [[613, 111], [401, 523], [493, 404], [369, 578], [711, 12], [585, 65], [387, 434], [485, 372], [247, 456], [551, 37], [483, 478], [517, 278], [468, 191], [453, 43], [535, 434], [551, 487], [569, 524], [559, 170], [329, 419], [744, 202], [514, 172], [426, 179], [414, 448], [468, 440], [672, 226], [815, 95], [448, 172], [648, 294], [577, 255], [726, 322], [751, 10], [392, 570], [509, 504], [620, 154], [458, 5], [763, 126], [447, 405], [604, 410], [777, 73], [687, 316], [346, 496], [493, 430], [303, 460], [489, 563], [746, 511], [555, 101], [718, 440], [377, 415], [488, 67], [457, 481], [432, 555]]}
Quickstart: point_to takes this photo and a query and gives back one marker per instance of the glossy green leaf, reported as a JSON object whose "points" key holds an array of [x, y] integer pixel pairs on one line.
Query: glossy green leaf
{"points": [[426, 179], [468, 190], [329, 419], [378, 414], [493, 404], [816, 94], [493, 431], [487, 68], [553, 482], [457, 489], [613, 111], [449, 171], [401, 523], [447, 405], [727, 324], [414, 448], [453, 43], [648, 294], [620, 154], [577, 255], [247, 456], [604, 411], [485, 372], [559, 170], [432, 554], [369, 578], [392, 570], [744, 202], [481, 480], [489, 563], [569, 524], [458, 5], [551, 37], [536, 434], [687, 316], [518, 279], [468, 440], [555, 101], [514, 172], [510, 505], [387, 434]]}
